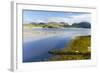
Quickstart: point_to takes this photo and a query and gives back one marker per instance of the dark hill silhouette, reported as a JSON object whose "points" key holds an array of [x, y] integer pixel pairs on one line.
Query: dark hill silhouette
{"points": [[82, 25]]}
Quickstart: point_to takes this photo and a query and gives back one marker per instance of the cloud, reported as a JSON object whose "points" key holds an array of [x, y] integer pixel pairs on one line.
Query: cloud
{"points": [[57, 19], [81, 18], [68, 17], [71, 19]]}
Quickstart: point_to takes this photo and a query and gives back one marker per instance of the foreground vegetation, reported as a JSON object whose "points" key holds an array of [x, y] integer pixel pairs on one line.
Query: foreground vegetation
{"points": [[79, 49]]}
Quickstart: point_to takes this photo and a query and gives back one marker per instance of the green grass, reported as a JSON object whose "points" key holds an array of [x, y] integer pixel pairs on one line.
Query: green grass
{"points": [[31, 25], [77, 50], [45, 26], [51, 26], [81, 44]]}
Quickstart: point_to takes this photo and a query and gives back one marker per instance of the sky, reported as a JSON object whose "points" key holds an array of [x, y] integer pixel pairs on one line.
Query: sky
{"points": [[53, 16]]}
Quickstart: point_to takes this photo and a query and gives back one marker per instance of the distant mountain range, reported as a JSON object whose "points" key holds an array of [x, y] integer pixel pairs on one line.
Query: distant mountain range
{"points": [[61, 24]]}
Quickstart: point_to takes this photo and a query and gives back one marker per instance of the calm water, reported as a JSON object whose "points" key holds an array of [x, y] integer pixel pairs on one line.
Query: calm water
{"points": [[38, 41]]}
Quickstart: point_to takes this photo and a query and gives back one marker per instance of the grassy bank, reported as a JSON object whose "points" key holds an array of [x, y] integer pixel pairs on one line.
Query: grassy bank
{"points": [[79, 49]]}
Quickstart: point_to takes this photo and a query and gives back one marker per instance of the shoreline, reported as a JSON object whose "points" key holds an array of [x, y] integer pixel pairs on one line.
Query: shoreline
{"points": [[70, 53]]}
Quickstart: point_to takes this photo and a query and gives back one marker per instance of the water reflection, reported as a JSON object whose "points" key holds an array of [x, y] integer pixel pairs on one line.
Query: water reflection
{"points": [[38, 41]]}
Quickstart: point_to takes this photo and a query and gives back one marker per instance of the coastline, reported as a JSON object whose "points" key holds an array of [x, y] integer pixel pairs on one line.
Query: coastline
{"points": [[73, 52]]}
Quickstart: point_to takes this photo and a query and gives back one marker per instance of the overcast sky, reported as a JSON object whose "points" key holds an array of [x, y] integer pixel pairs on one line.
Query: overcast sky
{"points": [[51, 16]]}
